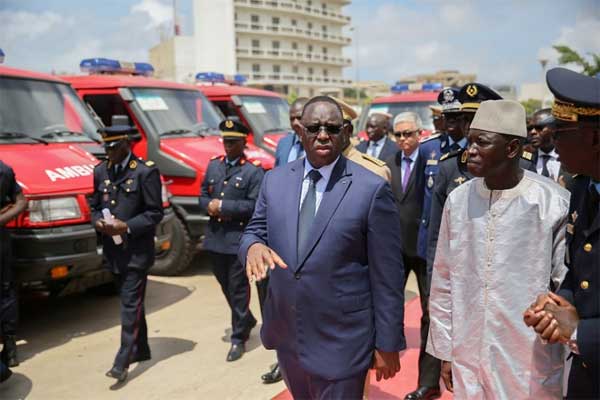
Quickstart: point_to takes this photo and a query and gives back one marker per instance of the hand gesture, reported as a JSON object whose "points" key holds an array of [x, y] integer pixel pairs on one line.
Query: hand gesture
{"points": [[259, 258]]}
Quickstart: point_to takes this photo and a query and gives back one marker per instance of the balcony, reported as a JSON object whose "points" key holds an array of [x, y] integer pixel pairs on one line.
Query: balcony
{"points": [[291, 79], [291, 7], [292, 32], [292, 56]]}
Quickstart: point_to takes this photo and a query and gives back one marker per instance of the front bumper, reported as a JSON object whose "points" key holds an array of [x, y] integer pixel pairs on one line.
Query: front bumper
{"points": [[193, 216]]}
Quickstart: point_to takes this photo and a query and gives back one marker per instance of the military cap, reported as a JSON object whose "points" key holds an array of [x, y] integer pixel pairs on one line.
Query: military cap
{"points": [[576, 95], [472, 94], [348, 112], [231, 129], [119, 130], [448, 99]]}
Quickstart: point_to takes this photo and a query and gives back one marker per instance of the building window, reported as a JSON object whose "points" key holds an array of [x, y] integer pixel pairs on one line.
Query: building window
{"points": [[310, 71], [324, 50], [312, 92], [294, 46], [295, 69], [324, 28], [255, 67], [276, 69], [275, 20], [275, 44], [254, 18], [309, 25], [310, 48], [325, 72], [294, 22], [255, 43]]}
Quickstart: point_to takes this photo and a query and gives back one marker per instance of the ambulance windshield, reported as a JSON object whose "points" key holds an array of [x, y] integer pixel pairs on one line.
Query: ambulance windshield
{"points": [[43, 111], [267, 115]]}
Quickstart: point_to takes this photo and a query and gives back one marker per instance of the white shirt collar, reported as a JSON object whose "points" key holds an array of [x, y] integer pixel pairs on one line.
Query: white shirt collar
{"points": [[378, 143], [413, 156], [325, 170], [553, 154], [462, 142]]}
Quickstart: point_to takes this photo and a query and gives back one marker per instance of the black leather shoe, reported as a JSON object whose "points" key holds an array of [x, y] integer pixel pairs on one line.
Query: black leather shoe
{"points": [[424, 393], [119, 374], [9, 352], [236, 351], [273, 376]]}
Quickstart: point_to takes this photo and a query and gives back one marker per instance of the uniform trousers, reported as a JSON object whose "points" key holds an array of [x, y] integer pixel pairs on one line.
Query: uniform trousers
{"points": [[429, 366], [306, 386], [134, 331], [9, 303], [235, 286]]}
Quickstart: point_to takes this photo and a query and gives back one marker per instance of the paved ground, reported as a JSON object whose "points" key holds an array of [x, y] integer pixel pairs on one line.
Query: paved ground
{"points": [[68, 343]]}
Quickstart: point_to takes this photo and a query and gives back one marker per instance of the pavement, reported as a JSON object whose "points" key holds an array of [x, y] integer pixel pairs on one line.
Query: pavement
{"points": [[67, 344]]}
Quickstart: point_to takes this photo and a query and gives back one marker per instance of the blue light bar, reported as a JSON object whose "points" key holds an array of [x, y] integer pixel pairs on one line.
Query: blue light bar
{"points": [[108, 66], [432, 87], [416, 87], [210, 77], [399, 88], [239, 79], [1, 56]]}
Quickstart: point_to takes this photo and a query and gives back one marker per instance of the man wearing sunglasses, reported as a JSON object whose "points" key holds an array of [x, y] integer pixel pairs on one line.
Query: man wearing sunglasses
{"points": [[126, 208], [573, 316], [330, 233], [540, 130]]}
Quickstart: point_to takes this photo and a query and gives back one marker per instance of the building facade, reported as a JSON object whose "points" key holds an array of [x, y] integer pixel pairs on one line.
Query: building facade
{"points": [[290, 46]]}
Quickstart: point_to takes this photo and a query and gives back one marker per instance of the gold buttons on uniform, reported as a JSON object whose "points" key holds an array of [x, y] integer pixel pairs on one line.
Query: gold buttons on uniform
{"points": [[241, 224], [219, 220], [587, 247], [113, 202], [222, 194], [584, 285], [224, 182]]}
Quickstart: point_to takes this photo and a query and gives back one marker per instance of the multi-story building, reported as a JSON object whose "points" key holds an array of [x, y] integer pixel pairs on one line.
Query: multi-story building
{"points": [[285, 45], [446, 78]]}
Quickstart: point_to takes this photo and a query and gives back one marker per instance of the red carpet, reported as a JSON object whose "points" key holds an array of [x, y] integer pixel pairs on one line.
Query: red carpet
{"points": [[406, 381]]}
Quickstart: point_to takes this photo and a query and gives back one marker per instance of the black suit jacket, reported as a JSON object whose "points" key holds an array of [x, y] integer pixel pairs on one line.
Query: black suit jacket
{"points": [[564, 179], [389, 148], [409, 202]]}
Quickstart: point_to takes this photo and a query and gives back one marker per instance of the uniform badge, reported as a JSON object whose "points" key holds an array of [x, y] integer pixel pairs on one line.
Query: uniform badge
{"points": [[472, 90], [432, 155], [229, 124], [574, 216], [133, 164], [107, 181], [463, 158], [129, 181], [430, 182], [460, 180], [448, 96]]}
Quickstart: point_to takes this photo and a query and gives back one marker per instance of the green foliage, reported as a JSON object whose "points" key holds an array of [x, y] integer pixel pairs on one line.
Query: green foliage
{"points": [[531, 105], [292, 96], [570, 56]]}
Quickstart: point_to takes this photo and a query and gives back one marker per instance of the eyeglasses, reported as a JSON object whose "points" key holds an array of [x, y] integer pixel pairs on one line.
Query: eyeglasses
{"points": [[405, 134], [536, 127], [330, 129]]}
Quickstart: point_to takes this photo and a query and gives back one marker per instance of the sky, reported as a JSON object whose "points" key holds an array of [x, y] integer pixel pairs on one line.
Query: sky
{"points": [[500, 41]]}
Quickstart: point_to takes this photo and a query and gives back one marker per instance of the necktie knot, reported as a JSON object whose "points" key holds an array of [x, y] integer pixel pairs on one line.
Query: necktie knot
{"points": [[314, 176], [407, 159]]}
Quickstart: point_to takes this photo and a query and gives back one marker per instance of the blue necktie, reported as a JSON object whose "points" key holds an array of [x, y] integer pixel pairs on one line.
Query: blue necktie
{"points": [[307, 212]]}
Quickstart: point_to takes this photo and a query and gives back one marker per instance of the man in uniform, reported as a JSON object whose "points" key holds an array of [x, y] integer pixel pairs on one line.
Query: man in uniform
{"points": [[289, 147], [12, 203], [126, 207], [545, 158], [228, 194], [573, 316], [379, 144]]}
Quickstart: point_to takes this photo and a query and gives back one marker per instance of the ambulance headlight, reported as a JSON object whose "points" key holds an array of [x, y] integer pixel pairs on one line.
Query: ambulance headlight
{"points": [[54, 209]]}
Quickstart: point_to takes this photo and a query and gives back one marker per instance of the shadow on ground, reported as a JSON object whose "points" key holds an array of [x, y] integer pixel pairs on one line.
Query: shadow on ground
{"points": [[19, 386]]}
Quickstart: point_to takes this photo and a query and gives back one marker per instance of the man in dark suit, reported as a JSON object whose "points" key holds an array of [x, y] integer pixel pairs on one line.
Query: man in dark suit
{"points": [[573, 316], [379, 144], [126, 207], [329, 315], [289, 147], [228, 194], [408, 185]]}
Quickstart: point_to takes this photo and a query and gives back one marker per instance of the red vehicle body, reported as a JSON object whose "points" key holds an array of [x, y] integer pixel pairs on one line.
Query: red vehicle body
{"points": [[264, 113], [179, 132], [418, 101], [43, 137]]}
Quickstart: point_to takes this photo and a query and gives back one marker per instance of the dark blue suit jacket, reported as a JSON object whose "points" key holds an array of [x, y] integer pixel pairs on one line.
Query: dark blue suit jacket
{"points": [[284, 146], [342, 299], [389, 148]]}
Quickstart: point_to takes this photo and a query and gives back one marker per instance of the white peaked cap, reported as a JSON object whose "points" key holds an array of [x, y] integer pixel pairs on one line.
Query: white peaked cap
{"points": [[506, 117]]}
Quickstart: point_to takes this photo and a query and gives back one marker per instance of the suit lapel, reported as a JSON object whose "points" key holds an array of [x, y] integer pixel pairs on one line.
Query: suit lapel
{"points": [[337, 187], [292, 197]]}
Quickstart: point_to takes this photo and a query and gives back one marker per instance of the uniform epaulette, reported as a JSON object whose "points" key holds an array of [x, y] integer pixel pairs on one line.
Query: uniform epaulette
{"points": [[451, 154], [527, 155], [256, 163], [149, 163], [428, 138], [217, 157], [374, 160]]}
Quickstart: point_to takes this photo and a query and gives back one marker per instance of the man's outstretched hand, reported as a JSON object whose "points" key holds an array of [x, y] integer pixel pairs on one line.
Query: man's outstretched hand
{"points": [[386, 364], [261, 257]]}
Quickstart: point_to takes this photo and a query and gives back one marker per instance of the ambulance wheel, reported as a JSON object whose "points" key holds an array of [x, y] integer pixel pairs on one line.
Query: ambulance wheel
{"points": [[178, 257]]}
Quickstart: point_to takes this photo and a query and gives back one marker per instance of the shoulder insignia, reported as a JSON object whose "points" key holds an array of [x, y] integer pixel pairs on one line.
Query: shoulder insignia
{"points": [[451, 154], [464, 157], [256, 163], [428, 138], [149, 163], [527, 155], [133, 164], [242, 161], [444, 156], [374, 160]]}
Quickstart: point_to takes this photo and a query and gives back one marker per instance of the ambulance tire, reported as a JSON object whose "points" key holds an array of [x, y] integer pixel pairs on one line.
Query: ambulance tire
{"points": [[178, 258]]}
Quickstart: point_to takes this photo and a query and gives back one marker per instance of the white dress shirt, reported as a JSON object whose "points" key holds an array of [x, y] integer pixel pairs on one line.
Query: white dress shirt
{"points": [[321, 183], [374, 148], [553, 164]]}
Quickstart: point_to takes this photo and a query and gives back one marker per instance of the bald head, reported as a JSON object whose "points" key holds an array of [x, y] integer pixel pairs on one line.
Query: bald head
{"points": [[378, 126]]}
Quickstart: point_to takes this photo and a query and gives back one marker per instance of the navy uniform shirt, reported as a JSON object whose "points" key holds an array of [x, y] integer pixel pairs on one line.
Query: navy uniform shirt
{"points": [[134, 197], [581, 285], [237, 187], [9, 189]]}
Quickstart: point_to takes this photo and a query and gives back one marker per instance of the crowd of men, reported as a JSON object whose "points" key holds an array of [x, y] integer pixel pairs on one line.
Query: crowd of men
{"points": [[496, 214]]}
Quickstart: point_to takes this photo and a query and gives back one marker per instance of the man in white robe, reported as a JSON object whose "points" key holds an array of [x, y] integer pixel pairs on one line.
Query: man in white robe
{"points": [[501, 242]]}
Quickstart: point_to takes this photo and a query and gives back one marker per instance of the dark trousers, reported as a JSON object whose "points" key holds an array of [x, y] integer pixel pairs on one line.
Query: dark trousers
{"points": [[9, 302], [235, 286], [134, 331], [584, 382], [429, 366], [304, 385]]}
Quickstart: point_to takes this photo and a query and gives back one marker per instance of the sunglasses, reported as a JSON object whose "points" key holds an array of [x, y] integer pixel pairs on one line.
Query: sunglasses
{"points": [[330, 129], [405, 134], [536, 127], [112, 145]]}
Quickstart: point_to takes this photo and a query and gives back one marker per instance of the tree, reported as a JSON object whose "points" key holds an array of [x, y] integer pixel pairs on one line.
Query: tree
{"points": [[292, 96], [531, 105], [570, 56]]}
